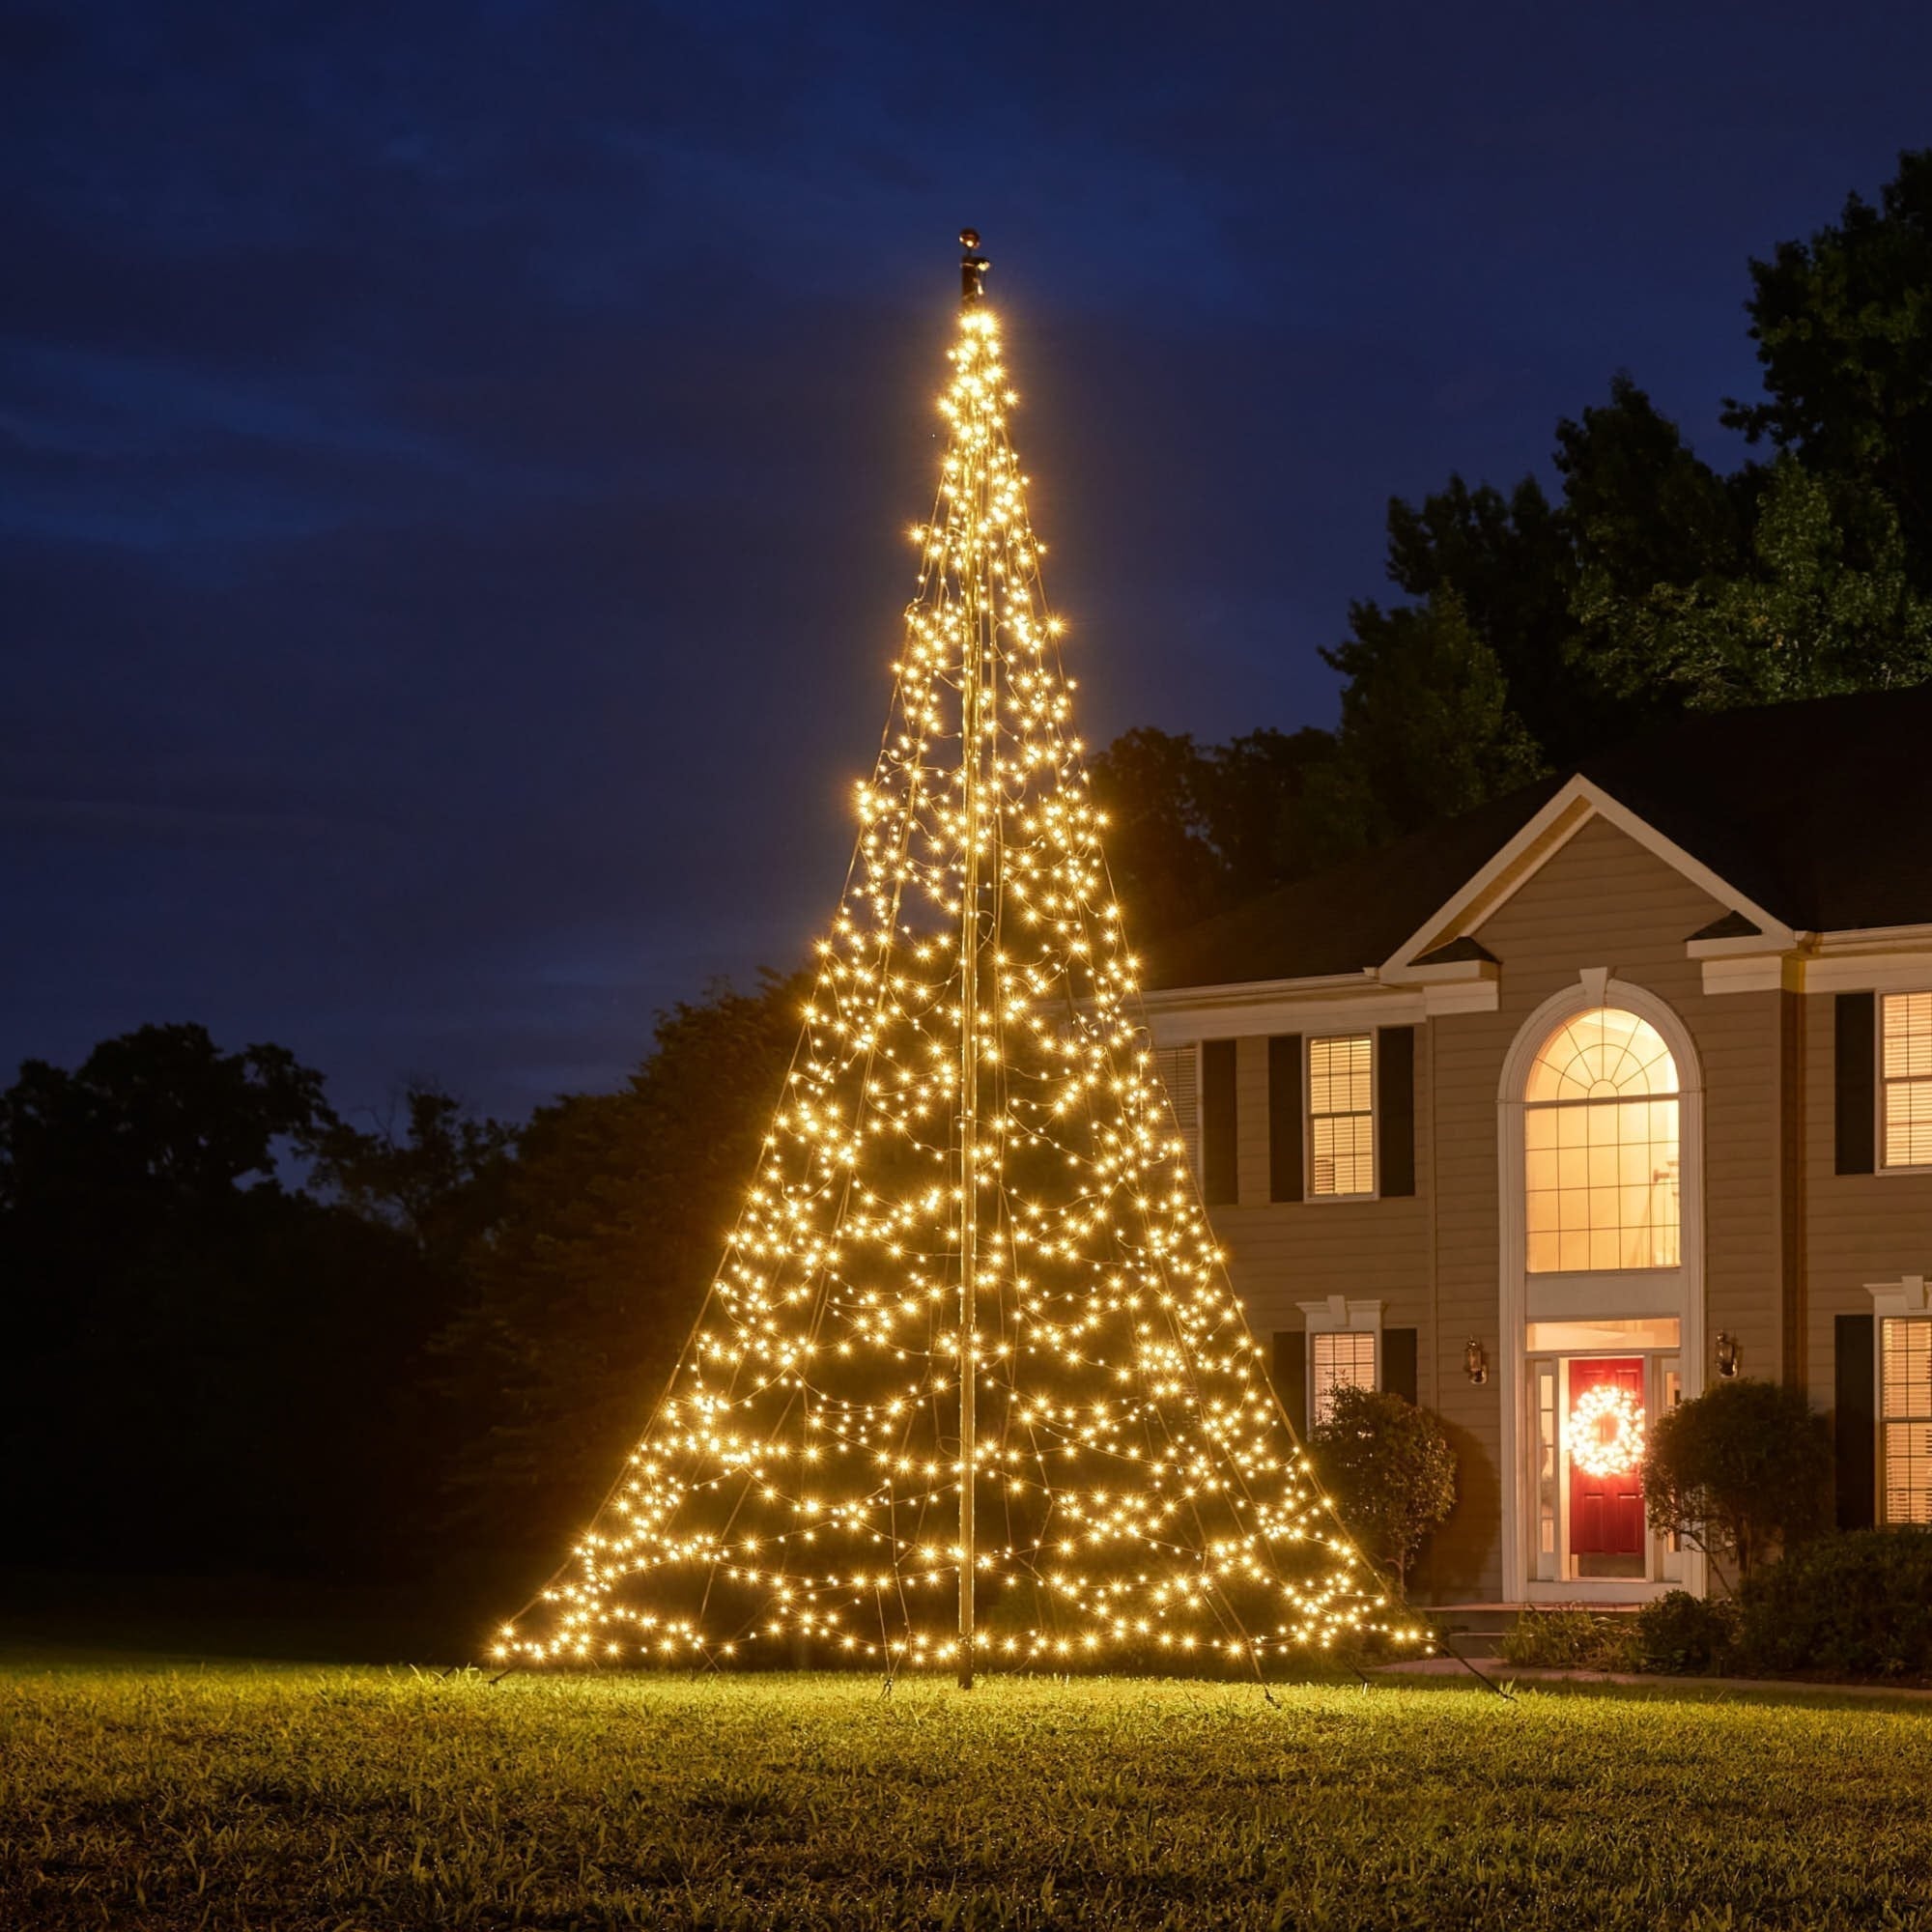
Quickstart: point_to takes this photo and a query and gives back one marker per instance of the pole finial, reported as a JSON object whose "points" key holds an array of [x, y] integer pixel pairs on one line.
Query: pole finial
{"points": [[973, 267]]}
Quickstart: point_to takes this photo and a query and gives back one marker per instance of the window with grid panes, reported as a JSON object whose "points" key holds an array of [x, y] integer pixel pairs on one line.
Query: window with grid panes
{"points": [[1339, 1359], [1905, 1078], [1341, 1114], [1905, 1417], [1178, 1068], [1599, 1146]]}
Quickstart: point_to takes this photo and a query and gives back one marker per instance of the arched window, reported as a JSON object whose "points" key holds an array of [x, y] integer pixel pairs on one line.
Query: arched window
{"points": [[1600, 1144]]}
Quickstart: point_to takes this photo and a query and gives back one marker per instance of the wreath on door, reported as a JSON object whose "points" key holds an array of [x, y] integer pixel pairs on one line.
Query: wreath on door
{"points": [[1606, 1431]]}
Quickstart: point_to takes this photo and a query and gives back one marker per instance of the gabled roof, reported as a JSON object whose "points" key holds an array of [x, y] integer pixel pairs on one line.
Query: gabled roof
{"points": [[1815, 815], [1463, 951], [1728, 926]]}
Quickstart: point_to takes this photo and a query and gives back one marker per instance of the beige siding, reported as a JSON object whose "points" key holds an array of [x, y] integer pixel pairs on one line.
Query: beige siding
{"points": [[1605, 902], [1601, 902], [1859, 1228], [1434, 1259], [1283, 1253]]}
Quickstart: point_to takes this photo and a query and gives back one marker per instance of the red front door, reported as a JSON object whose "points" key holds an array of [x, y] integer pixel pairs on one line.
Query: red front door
{"points": [[1607, 1535]]}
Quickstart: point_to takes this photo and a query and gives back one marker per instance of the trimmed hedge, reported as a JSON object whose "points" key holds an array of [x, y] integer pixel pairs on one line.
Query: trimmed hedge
{"points": [[1685, 1636], [1858, 1603], [1853, 1604]]}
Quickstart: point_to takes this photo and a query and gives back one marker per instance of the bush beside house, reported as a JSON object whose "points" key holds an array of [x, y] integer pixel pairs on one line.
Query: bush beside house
{"points": [[1858, 1603], [1740, 1472], [1855, 1604], [1683, 1636], [1569, 1638], [1390, 1470]]}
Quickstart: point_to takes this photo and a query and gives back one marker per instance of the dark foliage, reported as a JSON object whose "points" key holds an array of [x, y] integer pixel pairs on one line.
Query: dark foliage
{"points": [[1192, 830], [615, 1218], [1569, 1638], [1427, 728], [433, 1173], [1538, 631], [233, 1373], [1843, 328], [213, 1357], [1856, 1603], [1685, 1636], [1739, 1470], [1391, 1471]]}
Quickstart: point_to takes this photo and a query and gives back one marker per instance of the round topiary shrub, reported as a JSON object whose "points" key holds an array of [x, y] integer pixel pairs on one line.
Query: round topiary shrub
{"points": [[1858, 1603], [1685, 1636], [1740, 1472], [1390, 1470]]}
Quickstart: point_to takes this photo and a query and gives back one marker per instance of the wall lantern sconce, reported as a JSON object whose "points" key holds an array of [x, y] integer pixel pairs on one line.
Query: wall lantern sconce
{"points": [[1476, 1362], [1730, 1352]]}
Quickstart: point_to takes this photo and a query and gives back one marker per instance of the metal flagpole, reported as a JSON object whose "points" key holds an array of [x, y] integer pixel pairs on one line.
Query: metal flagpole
{"points": [[972, 273]]}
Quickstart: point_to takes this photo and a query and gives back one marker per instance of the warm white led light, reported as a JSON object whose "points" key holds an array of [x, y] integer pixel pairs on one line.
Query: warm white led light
{"points": [[972, 1093]]}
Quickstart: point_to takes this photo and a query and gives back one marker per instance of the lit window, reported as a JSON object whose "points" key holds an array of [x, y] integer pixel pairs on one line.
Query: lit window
{"points": [[1906, 1064], [1905, 1415], [1599, 1146], [1339, 1358], [1179, 1070], [1341, 1114]]}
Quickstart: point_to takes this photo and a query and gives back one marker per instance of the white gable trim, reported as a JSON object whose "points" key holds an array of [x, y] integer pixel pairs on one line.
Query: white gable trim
{"points": [[1517, 1292], [1579, 800], [1875, 959], [1907, 1295]]}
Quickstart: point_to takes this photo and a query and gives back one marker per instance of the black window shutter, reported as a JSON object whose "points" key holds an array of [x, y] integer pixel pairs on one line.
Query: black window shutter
{"points": [[1856, 1108], [1855, 1428], [1394, 1101], [1285, 1117], [1290, 1375], [1219, 1140], [1399, 1362]]}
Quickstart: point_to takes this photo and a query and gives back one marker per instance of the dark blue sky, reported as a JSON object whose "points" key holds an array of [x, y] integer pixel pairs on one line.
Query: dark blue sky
{"points": [[454, 459]]}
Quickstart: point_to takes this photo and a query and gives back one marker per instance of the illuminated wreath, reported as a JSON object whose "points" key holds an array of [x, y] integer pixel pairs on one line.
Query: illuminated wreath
{"points": [[1606, 1431]]}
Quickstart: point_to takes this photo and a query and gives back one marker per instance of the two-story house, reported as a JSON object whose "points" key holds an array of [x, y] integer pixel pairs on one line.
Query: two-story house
{"points": [[1551, 1115]]}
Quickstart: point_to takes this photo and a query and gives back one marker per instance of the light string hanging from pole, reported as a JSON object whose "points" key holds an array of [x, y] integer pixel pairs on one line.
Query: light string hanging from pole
{"points": [[973, 1258]]}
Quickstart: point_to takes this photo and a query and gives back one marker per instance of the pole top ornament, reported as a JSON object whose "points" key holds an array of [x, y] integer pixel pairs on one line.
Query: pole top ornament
{"points": [[973, 267]]}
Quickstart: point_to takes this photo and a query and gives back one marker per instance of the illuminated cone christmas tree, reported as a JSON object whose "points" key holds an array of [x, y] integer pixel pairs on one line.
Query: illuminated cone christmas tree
{"points": [[971, 1383]]}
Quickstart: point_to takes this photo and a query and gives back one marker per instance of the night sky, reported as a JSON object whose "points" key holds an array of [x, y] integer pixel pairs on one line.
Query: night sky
{"points": [[456, 458]]}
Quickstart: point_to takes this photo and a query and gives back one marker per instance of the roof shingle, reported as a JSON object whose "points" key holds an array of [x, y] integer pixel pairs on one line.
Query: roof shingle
{"points": [[1819, 811]]}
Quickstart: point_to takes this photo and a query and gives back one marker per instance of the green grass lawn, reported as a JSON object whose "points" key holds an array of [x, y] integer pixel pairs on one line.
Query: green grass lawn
{"points": [[275, 1795]]}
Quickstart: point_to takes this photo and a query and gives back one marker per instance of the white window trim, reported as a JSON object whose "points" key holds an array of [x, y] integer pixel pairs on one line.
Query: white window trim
{"points": [[1374, 1039], [1905, 1299], [1879, 1165], [1596, 980], [1195, 1156], [1337, 1315], [1593, 986]]}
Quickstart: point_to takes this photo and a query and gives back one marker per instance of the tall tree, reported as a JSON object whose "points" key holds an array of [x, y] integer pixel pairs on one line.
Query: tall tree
{"points": [[1153, 786], [1427, 728], [157, 1116], [1509, 561], [615, 1214], [426, 1167], [1843, 328], [1252, 798], [1647, 517], [220, 1361], [1824, 604], [1194, 829]]}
